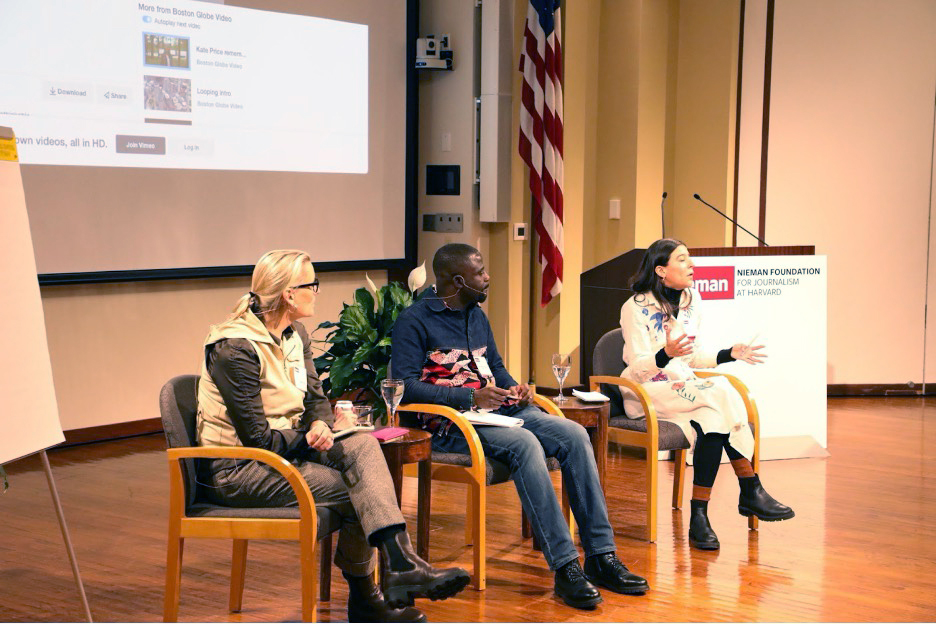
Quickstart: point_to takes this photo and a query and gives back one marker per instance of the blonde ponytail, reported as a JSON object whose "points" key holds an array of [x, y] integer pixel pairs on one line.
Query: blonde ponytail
{"points": [[243, 304]]}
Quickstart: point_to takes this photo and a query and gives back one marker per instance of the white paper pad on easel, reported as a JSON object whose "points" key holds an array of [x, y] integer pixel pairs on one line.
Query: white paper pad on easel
{"points": [[590, 397]]}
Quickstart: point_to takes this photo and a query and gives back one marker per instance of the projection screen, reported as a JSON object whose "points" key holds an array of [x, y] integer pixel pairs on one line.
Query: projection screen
{"points": [[165, 138]]}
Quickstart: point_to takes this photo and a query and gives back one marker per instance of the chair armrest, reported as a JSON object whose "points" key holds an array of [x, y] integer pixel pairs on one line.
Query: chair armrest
{"points": [[289, 472], [749, 404], [547, 405], [595, 381], [653, 428], [471, 436]]}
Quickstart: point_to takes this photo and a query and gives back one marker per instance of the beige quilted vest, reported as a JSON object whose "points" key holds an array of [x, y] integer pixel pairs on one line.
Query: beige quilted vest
{"points": [[280, 365]]}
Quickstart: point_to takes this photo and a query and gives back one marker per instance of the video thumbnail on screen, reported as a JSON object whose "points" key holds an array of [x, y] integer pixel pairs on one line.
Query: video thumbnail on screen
{"points": [[167, 94], [165, 50]]}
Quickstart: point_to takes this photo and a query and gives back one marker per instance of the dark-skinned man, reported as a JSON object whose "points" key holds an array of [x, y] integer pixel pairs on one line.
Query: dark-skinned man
{"points": [[444, 350]]}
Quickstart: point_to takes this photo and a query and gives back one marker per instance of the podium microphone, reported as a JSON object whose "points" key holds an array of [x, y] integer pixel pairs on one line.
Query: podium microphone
{"points": [[696, 196], [662, 216]]}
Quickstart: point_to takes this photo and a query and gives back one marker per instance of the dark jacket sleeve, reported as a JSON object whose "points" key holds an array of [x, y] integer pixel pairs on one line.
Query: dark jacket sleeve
{"points": [[724, 356], [316, 404], [501, 376], [410, 344], [235, 369]]}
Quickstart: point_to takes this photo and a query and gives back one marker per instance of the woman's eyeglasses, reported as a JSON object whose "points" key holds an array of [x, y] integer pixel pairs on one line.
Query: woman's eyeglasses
{"points": [[313, 285]]}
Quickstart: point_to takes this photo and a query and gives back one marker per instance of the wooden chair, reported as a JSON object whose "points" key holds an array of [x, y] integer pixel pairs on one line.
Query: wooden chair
{"points": [[190, 515], [651, 433], [478, 472]]}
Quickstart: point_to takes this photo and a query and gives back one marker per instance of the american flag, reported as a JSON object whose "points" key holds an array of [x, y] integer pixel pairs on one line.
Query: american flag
{"points": [[541, 134]]}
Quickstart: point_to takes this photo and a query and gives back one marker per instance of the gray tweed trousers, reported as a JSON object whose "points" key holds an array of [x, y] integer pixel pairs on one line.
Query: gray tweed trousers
{"points": [[351, 479]]}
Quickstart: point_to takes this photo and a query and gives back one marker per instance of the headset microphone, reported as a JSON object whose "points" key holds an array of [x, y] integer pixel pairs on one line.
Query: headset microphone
{"points": [[464, 284]]}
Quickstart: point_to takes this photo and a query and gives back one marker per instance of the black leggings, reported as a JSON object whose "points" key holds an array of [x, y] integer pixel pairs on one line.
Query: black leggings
{"points": [[707, 455]]}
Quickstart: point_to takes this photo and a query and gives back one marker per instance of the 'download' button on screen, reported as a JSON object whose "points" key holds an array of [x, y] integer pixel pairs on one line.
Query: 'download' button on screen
{"points": [[127, 144]]}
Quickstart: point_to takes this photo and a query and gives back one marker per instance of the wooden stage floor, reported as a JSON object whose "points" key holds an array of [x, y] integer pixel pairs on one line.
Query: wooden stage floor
{"points": [[861, 548]]}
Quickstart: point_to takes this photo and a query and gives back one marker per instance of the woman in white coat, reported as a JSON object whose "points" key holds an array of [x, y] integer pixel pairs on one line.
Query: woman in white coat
{"points": [[660, 324]]}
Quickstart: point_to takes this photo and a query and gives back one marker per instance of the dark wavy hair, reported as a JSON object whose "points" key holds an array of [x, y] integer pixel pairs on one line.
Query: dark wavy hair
{"points": [[646, 279]]}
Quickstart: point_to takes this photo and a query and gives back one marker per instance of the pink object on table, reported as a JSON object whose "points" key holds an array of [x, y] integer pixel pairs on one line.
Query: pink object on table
{"points": [[389, 433]]}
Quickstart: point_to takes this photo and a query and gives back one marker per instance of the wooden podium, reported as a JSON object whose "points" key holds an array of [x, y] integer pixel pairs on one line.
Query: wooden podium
{"points": [[604, 289]]}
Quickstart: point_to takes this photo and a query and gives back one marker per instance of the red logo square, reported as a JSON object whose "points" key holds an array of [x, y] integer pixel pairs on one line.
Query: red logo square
{"points": [[714, 282]]}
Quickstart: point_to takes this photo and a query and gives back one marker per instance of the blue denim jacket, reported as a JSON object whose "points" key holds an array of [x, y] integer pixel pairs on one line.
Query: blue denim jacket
{"points": [[440, 353]]}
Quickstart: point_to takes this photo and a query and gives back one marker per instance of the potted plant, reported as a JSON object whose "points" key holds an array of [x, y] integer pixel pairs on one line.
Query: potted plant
{"points": [[357, 360]]}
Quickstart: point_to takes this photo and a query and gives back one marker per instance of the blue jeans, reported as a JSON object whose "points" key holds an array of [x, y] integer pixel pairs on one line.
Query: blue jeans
{"points": [[524, 451]]}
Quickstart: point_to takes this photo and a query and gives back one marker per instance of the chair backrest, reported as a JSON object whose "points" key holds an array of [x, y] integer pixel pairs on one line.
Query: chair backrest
{"points": [[178, 406], [608, 359]]}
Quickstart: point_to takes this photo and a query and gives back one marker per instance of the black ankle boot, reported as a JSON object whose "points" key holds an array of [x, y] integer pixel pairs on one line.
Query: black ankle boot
{"points": [[367, 604], [607, 571], [755, 501], [407, 577], [701, 535], [574, 589]]}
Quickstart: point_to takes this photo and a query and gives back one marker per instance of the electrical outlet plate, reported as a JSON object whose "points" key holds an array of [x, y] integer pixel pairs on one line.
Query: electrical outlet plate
{"points": [[443, 222]]}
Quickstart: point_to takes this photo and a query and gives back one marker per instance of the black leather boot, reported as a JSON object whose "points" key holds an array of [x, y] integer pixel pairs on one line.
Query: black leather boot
{"points": [[407, 577], [574, 589], [367, 604], [701, 535], [607, 571], [755, 501]]}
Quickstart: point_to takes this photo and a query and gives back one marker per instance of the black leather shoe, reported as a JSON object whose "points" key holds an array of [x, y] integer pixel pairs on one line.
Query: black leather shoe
{"points": [[755, 501], [607, 571], [574, 588], [701, 535], [419, 580], [367, 604]]}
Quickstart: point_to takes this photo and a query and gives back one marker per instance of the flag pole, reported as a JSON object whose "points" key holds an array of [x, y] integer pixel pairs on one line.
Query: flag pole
{"points": [[531, 353]]}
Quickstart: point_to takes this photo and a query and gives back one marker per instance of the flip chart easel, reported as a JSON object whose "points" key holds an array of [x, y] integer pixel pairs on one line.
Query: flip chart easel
{"points": [[30, 423]]}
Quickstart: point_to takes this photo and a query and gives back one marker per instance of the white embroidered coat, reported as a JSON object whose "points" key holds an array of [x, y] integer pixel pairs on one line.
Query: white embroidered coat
{"points": [[675, 391]]}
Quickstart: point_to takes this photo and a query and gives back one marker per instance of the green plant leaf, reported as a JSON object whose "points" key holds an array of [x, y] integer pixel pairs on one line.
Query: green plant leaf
{"points": [[365, 301], [355, 324], [362, 355], [6, 483], [341, 370]]}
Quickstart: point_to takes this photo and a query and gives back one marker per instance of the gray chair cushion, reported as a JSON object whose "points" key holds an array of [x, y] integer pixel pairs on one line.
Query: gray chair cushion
{"points": [[178, 406], [497, 472], [671, 436], [607, 359], [328, 521]]}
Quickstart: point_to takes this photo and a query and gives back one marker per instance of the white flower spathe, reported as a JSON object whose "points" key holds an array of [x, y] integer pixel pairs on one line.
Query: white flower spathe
{"points": [[417, 277]]}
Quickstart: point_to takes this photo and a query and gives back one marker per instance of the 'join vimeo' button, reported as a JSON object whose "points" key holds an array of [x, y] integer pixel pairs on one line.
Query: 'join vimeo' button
{"points": [[127, 144]]}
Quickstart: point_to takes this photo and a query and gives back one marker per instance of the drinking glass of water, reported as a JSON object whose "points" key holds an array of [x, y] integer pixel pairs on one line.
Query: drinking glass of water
{"points": [[392, 391], [561, 365]]}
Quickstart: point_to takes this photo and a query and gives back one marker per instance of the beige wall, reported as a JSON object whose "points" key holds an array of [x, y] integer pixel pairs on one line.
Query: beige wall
{"points": [[113, 346], [850, 166], [704, 119]]}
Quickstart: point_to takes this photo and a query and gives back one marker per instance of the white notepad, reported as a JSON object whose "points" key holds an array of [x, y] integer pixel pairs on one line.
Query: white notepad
{"points": [[590, 397], [494, 420], [354, 429]]}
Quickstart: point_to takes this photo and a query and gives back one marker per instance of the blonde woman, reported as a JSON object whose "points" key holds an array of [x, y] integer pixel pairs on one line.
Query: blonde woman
{"points": [[259, 388]]}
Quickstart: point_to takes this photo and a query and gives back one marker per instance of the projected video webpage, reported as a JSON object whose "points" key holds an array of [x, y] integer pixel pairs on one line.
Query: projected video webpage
{"points": [[183, 85]]}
